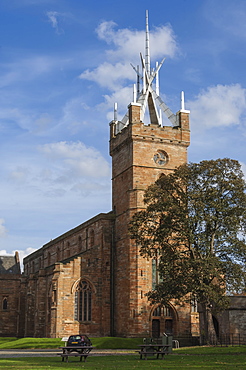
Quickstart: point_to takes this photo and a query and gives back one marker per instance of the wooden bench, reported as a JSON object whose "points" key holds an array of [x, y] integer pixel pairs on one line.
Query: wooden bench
{"points": [[152, 350], [152, 353], [78, 351], [74, 354]]}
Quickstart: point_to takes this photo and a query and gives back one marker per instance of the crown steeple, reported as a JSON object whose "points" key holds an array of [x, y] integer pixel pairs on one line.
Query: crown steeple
{"points": [[148, 95]]}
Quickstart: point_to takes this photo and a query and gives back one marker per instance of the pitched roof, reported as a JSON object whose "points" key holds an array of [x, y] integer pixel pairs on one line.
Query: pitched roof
{"points": [[10, 264]]}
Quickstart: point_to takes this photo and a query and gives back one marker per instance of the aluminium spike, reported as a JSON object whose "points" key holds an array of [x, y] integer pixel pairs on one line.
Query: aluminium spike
{"points": [[182, 101], [138, 80], [144, 76], [115, 112], [157, 86], [147, 53]]}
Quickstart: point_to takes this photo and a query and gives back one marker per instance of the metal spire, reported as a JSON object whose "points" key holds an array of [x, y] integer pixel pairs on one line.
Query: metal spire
{"points": [[147, 53], [150, 94]]}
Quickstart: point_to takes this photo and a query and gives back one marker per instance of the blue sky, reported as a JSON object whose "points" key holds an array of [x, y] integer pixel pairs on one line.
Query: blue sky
{"points": [[63, 64]]}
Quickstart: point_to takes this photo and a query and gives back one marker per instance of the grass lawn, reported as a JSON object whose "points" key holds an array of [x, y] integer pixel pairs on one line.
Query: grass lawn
{"points": [[213, 358], [105, 343]]}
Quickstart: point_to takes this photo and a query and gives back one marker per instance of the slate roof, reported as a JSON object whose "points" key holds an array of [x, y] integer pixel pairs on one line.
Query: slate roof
{"points": [[10, 264]]}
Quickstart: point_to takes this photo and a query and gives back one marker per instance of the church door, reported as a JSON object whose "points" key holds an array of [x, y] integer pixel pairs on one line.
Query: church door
{"points": [[169, 327], [155, 328]]}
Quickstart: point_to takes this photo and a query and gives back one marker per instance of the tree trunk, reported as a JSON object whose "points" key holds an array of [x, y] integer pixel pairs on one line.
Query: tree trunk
{"points": [[207, 330]]}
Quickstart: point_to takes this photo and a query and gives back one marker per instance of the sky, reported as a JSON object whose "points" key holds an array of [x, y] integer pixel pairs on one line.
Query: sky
{"points": [[63, 65]]}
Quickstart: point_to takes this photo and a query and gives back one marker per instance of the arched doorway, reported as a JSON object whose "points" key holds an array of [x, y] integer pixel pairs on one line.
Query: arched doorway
{"points": [[162, 321]]}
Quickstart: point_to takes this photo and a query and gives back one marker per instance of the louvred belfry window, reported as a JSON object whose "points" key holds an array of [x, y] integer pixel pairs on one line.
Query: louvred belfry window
{"points": [[83, 301]]}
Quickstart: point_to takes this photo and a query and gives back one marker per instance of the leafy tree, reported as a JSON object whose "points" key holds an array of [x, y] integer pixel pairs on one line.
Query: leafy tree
{"points": [[194, 225]]}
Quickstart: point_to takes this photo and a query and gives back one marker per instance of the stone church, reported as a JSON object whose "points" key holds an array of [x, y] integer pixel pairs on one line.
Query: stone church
{"points": [[92, 278]]}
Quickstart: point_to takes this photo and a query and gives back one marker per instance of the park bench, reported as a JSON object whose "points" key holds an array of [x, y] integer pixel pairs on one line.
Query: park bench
{"points": [[80, 351]]}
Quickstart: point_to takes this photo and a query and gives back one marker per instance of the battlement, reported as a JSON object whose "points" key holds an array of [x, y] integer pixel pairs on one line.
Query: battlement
{"points": [[137, 130]]}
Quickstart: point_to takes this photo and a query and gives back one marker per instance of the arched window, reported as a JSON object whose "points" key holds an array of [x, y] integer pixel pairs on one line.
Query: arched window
{"points": [[83, 298], [5, 304]]}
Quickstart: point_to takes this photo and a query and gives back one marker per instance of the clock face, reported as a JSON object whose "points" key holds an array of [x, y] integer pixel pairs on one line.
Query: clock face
{"points": [[160, 158]]}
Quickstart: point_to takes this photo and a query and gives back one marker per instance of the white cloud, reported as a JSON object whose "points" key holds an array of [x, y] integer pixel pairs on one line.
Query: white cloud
{"points": [[53, 19], [3, 230], [22, 254], [3, 252], [108, 75], [76, 159], [26, 252], [220, 105], [122, 96], [125, 45], [127, 42]]}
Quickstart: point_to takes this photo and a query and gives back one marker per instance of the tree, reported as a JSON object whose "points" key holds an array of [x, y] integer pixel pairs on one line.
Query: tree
{"points": [[194, 225]]}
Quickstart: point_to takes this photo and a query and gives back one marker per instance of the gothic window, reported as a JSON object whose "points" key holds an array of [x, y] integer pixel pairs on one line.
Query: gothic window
{"points": [[5, 304], [83, 301], [154, 273], [156, 278]]}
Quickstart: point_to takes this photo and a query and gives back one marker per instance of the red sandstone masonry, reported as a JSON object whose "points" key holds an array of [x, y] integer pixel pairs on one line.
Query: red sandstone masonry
{"points": [[133, 170]]}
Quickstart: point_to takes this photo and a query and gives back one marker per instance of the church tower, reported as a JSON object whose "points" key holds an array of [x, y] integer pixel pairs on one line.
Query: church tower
{"points": [[140, 153]]}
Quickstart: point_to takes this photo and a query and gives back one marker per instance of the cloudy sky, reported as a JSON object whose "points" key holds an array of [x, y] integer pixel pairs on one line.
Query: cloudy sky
{"points": [[63, 64]]}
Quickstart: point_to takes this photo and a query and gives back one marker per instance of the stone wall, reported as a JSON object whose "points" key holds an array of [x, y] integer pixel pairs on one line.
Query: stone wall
{"points": [[10, 304], [53, 272]]}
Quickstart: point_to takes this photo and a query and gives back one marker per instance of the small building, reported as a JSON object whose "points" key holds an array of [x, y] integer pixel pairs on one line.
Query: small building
{"points": [[10, 282]]}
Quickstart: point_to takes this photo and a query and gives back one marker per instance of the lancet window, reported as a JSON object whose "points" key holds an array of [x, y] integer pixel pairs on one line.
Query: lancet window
{"points": [[5, 304], [83, 301]]}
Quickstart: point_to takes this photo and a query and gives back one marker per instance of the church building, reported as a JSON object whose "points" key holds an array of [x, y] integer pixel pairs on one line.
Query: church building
{"points": [[92, 278]]}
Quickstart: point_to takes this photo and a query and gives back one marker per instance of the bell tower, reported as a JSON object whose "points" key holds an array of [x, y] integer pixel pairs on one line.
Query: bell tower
{"points": [[140, 153]]}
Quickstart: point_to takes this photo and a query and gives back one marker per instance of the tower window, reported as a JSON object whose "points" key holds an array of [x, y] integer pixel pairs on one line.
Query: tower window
{"points": [[160, 158], [83, 301], [5, 304]]}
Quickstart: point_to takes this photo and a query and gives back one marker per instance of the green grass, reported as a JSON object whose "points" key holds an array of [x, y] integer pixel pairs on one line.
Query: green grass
{"points": [[204, 358], [102, 343], [31, 343], [116, 343]]}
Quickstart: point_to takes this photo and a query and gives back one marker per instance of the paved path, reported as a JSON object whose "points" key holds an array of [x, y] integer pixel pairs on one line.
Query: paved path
{"points": [[9, 353]]}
